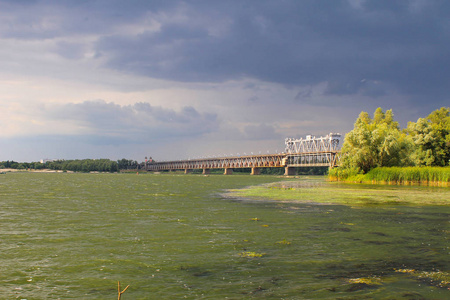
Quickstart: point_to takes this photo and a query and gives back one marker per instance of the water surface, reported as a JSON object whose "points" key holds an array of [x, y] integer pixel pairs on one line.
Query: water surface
{"points": [[73, 236]]}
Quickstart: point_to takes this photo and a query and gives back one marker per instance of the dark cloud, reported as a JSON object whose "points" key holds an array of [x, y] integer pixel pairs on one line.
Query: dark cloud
{"points": [[141, 122], [395, 45]]}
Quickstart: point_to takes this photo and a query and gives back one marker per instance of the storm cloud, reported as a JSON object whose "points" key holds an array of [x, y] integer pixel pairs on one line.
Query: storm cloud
{"points": [[208, 70], [402, 45]]}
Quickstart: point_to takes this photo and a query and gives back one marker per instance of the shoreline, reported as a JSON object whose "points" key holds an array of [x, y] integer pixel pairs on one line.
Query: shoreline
{"points": [[394, 182], [8, 170]]}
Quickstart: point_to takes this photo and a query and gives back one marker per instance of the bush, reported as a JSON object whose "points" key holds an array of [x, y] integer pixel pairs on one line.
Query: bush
{"points": [[337, 174]]}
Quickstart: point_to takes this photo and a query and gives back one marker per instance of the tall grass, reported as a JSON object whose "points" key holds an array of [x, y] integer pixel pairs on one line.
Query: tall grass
{"points": [[337, 174], [409, 174], [399, 175]]}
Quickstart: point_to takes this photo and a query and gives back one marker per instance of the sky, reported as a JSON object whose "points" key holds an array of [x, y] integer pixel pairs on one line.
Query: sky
{"points": [[173, 80]]}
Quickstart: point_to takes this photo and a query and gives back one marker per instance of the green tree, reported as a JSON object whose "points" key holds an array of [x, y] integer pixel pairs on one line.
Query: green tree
{"points": [[431, 138], [375, 142]]}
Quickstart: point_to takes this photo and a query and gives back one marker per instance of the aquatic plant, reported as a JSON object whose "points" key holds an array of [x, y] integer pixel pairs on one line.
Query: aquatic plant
{"points": [[251, 254], [366, 280], [346, 194], [404, 270], [434, 278], [283, 242]]}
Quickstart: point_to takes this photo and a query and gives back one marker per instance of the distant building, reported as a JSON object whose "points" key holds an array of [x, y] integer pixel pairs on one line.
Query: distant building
{"points": [[43, 161]]}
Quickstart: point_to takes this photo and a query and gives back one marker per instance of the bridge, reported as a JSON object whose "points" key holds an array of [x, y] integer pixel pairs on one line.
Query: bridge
{"points": [[304, 152]]}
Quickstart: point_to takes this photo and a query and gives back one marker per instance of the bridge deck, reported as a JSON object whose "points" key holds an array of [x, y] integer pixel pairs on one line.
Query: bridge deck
{"points": [[307, 159]]}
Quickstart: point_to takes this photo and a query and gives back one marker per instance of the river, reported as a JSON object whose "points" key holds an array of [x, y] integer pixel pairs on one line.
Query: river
{"points": [[74, 236]]}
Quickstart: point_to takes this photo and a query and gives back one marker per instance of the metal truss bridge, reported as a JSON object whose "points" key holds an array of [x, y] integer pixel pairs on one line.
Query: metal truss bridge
{"points": [[308, 152]]}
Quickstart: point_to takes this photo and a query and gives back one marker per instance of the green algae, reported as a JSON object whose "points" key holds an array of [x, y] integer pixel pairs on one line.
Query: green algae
{"points": [[319, 191]]}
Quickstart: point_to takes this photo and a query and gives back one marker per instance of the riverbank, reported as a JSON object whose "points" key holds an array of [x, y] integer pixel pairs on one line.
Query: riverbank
{"points": [[7, 170], [428, 176]]}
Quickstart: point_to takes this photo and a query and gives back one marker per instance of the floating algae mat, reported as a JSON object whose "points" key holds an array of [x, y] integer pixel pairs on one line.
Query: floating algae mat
{"points": [[73, 236], [310, 189]]}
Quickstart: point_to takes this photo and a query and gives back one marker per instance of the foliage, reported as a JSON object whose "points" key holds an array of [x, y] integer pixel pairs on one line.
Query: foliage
{"points": [[378, 142], [375, 142], [77, 165], [342, 173], [21, 166], [127, 164], [431, 137], [84, 165]]}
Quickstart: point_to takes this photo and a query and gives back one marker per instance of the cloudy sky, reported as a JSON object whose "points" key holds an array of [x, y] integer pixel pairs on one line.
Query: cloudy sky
{"points": [[182, 79]]}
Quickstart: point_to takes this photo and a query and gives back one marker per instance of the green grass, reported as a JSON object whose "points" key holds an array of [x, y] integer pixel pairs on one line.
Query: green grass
{"points": [[409, 174], [396, 175]]}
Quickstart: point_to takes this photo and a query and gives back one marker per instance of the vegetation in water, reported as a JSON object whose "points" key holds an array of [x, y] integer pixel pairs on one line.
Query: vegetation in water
{"points": [[379, 142], [284, 242], [366, 280], [436, 278], [251, 254], [398, 175], [310, 190]]}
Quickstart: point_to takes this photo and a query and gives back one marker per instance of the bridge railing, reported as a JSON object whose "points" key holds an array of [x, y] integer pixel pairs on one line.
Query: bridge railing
{"points": [[308, 152], [311, 159], [250, 161]]}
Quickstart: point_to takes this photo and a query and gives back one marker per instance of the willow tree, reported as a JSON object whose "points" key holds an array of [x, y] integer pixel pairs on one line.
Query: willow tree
{"points": [[431, 137], [375, 142]]}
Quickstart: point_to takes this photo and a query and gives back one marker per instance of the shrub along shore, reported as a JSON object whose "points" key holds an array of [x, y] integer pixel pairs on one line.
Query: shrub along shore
{"points": [[395, 175]]}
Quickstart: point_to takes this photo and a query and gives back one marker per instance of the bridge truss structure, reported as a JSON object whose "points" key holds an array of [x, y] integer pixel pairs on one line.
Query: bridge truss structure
{"points": [[312, 144], [309, 152]]}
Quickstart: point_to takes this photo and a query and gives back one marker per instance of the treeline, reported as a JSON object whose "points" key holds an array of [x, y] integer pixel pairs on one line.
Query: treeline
{"points": [[77, 165], [84, 165], [10, 164], [379, 142]]}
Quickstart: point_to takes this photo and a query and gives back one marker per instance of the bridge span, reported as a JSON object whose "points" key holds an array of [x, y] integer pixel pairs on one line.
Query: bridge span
{"points": [[308, 152]]}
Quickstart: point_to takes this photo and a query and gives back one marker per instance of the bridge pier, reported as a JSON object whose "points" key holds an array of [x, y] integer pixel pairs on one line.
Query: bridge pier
{"points": [[255, 171], [187, 171], [228, 171], [206, 171], [289, 171]]}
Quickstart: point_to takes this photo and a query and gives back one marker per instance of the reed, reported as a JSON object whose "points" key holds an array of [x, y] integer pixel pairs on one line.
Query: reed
{"points": [[337, 174], [396, 175], [408, 175]]}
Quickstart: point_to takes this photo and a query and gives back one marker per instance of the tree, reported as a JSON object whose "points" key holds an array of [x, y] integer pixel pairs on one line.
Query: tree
{"points": [[431, 138], [375, 142]]}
